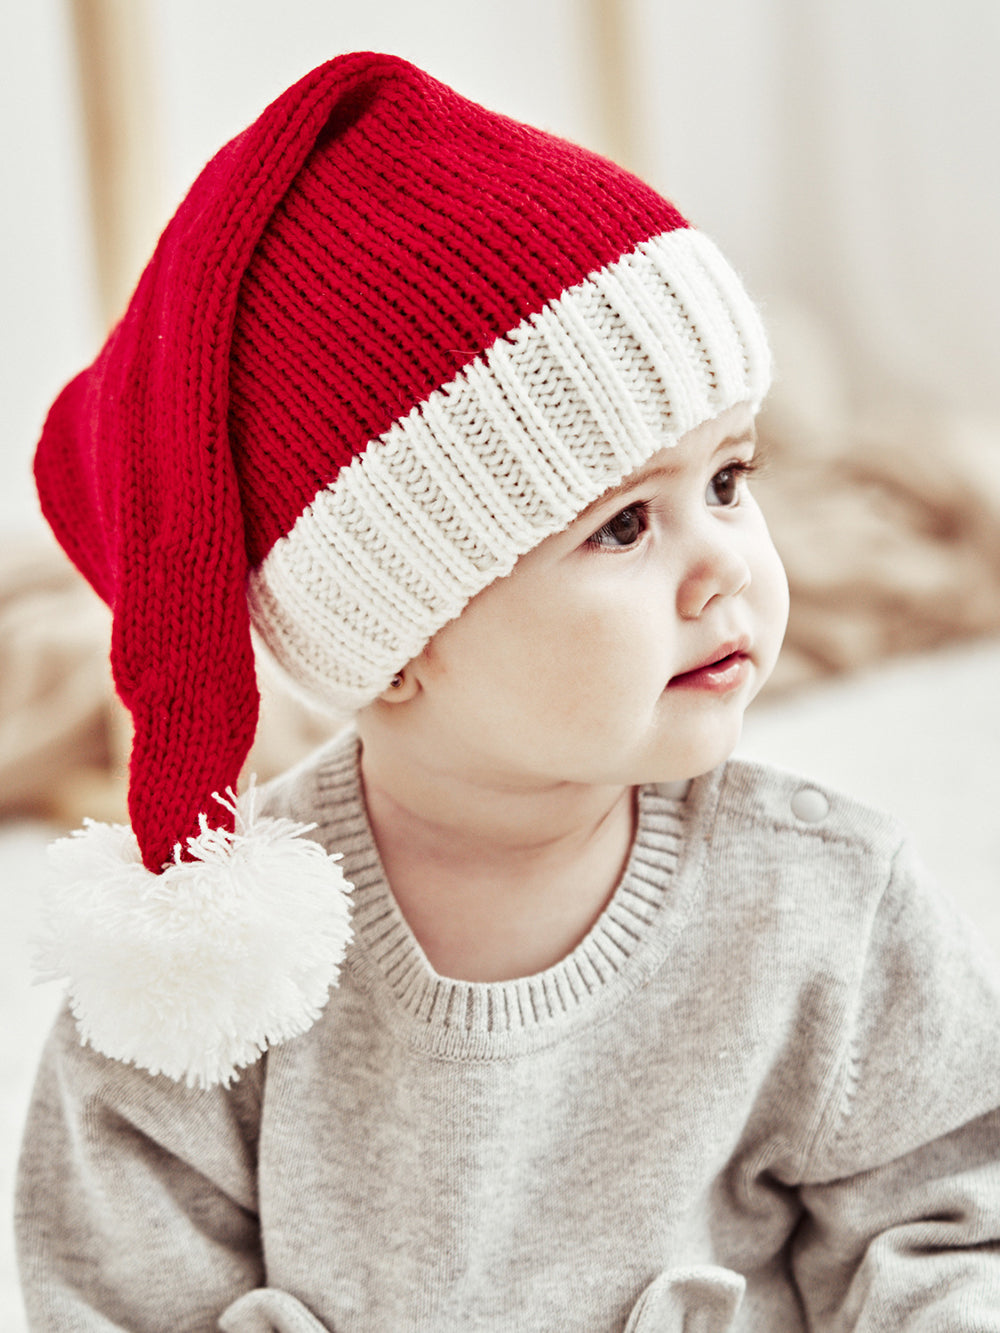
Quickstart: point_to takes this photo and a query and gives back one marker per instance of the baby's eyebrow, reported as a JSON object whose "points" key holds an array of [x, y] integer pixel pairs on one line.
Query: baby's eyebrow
{"points": [[629, 484], [661, 470]]}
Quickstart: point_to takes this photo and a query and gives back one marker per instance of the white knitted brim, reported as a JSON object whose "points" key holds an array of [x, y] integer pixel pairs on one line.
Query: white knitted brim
{"points": [[509, 452]]}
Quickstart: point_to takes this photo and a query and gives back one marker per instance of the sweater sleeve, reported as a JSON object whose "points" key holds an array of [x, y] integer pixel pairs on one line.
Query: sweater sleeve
{"points": [[136, 1205], [901, 1227]]}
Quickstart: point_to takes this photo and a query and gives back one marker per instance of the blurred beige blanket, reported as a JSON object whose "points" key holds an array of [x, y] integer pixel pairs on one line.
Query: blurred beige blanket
{"points": [[891, 540], [888, 524], [59, 730]]}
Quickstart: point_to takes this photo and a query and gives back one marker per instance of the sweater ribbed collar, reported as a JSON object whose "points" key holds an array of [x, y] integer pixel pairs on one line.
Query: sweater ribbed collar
{"points": [[629, 940]]}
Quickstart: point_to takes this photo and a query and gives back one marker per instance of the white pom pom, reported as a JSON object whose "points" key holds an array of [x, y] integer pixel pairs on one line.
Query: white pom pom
{"points": [[194, 972]]}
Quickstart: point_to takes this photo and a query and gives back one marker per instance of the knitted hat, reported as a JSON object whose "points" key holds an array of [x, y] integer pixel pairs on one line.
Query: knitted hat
{"points": [[389, 342]]}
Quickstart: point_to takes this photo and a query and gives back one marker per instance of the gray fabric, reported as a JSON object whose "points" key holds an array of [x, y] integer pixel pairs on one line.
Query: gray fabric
{"points": [[762, 1095]]}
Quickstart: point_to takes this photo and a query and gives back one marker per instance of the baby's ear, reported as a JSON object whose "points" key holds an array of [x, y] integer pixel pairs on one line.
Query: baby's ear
{"points": [[403, 686]]}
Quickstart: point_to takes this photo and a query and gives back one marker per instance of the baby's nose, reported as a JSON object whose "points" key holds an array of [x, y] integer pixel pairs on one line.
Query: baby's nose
{"points": [[716, 569]]}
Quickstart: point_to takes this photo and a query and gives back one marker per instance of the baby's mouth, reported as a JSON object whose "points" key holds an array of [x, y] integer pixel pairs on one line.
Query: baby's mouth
{"points": [[724, 670]]}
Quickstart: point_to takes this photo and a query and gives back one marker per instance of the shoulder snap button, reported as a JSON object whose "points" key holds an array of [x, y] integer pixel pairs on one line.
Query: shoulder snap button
{"points": [[810, 805]]}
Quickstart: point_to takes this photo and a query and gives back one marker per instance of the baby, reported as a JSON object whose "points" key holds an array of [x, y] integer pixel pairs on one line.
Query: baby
{"points": [[520, 1006]]}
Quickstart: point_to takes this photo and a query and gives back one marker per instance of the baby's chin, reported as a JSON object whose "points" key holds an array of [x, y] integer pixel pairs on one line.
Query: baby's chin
{"points": [[699, 756]]}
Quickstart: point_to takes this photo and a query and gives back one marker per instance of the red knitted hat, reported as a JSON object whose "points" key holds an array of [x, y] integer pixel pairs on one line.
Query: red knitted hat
{"points": [[389, 342]]}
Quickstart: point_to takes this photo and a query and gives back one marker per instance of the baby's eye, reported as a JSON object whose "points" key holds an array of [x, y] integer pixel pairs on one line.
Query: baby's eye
{"points": [[725, 487], [623, 530]]}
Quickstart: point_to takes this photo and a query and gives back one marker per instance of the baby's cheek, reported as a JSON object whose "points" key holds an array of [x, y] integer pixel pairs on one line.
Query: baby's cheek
{"points": [[610, 657], [769, 589], [779, 587]]}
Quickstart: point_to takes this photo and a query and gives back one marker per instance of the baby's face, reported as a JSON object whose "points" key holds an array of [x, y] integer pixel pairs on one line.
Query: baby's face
{"points": [[626, 648]]}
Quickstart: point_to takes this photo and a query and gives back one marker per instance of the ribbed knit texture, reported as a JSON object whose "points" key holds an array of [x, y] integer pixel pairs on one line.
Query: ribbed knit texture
{"points": [[477, 1020], [421, 229], [371, 243], [136, 477], [511, 450]]}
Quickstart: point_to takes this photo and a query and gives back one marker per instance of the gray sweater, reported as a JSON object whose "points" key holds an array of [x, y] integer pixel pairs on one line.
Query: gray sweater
{"points": [[761, 1095]]}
